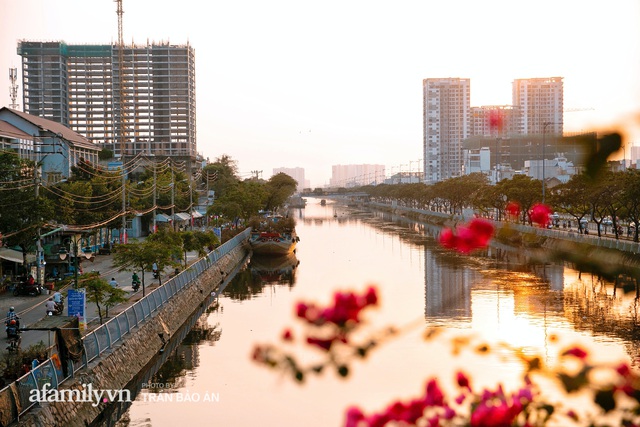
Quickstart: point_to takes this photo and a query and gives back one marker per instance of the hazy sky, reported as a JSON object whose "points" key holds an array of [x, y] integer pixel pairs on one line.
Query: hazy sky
{"points": [[313, 84]]}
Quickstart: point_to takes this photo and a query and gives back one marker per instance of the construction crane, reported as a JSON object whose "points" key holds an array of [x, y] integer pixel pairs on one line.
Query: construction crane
{"points": [[123, 120], [122, 92]]}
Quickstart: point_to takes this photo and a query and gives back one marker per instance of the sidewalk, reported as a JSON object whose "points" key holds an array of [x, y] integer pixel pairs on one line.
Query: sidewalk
{"points": [[31, 309]]}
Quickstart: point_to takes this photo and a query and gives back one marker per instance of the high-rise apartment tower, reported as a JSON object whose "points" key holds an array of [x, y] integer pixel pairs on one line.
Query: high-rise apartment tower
{"points": [[446, 123], [539, 101], [79, 86]]}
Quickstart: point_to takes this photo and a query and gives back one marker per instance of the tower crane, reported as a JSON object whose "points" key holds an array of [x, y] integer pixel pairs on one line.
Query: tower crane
{"points": [[122, 92]]}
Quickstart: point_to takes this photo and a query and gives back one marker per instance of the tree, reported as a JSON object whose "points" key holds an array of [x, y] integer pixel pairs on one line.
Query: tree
{"points": [[166, 245], [134, 256], [197, 241], [102, 293], [23, 210], [524, 190], [279, 188], [225, 171]]}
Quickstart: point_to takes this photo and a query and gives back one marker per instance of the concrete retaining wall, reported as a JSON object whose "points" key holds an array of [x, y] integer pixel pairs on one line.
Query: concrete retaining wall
{"points": [[115, 368]]}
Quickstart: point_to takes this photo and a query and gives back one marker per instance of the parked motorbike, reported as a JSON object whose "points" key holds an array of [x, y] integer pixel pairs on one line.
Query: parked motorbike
{"points": [[23, 288]]}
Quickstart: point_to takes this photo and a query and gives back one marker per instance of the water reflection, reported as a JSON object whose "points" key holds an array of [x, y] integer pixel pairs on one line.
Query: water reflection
{"points": [[263, 270], [500, 293]]}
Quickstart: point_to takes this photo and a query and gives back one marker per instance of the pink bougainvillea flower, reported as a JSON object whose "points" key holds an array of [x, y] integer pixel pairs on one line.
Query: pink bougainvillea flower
{"points": [[513, 209], [475, 235], [540, 214], [463, 380], [576, 352], [354, 416], [324, 344], [287, 335]]}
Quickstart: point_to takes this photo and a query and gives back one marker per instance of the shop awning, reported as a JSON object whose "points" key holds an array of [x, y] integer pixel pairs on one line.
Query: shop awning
{"points": [[11, 255], [197, 214], [162, 218], [181, 216]]}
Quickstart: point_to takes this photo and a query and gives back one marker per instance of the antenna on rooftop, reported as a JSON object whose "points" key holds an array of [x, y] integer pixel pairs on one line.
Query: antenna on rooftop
{"points": [[13, 89]]}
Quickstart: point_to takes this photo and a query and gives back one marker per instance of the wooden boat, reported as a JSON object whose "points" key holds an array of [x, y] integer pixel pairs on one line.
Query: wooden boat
{"points": [[274, 235]]}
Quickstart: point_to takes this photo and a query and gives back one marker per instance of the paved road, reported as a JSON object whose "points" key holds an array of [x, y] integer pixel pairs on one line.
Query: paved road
{"points": [[31, 309]]}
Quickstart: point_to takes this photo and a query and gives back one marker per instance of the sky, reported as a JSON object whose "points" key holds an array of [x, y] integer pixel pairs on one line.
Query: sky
{"points": [[313, 84]]}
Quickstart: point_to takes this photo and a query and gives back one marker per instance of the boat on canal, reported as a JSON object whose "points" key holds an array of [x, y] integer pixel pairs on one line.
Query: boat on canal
{"points": [[273, 235]]}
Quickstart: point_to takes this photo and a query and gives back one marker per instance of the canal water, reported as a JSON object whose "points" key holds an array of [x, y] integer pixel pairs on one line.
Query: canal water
{"points": [[496, 297]]}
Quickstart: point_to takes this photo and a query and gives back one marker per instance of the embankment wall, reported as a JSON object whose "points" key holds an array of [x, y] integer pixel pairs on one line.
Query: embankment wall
{"points": [[115, 368]]}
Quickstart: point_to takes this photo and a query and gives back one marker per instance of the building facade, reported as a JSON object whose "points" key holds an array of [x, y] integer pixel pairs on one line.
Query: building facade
{"points": [[147, 104], [55, 147], [539, 101], [446, 123]]}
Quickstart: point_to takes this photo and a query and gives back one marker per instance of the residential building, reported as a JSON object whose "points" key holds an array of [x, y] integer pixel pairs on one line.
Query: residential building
{"points": [[446, 123], [539, 101], [56, 147], [147, 104], [295, 173], [356, 175], [477, 160], [559, 168], [494, 120]]}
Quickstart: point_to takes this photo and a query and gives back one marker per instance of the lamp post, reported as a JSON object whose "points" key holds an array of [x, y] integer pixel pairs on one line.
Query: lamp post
{"points": [[497, 159], [544, 134]]}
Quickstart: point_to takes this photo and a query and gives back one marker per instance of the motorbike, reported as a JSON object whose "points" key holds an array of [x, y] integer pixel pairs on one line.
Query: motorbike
{"points": [[13, 336], [12, 329], [155, 274], [58, 309], [23, 288], [135, 284]]}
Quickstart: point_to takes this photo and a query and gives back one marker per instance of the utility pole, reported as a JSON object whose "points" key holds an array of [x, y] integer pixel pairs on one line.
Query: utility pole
{"points": [[191, 201], [173, 200], [39, 254], [154, 196]]}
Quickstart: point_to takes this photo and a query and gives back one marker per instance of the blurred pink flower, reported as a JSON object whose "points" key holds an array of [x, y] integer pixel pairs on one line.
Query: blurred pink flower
{"points": [[540, 214]]}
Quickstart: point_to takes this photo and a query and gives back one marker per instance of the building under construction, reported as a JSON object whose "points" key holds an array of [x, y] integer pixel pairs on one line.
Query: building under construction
{"points": [[141, 100]]}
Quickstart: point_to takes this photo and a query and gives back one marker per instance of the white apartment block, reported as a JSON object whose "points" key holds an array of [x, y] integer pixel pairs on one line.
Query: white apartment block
{"points": [[356, 175], [539, 101], [295, 173], [446, 123]]}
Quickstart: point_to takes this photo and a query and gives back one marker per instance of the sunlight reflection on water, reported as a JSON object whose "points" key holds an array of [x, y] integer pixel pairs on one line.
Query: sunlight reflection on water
{"points": [[496, 297]]}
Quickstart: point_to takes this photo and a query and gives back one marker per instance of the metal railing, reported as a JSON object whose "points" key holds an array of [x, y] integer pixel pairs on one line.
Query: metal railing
{"points": [[106, 335]]}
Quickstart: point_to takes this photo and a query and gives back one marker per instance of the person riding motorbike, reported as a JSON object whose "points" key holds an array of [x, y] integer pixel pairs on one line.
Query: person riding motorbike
{"points": [[12, 315], [12, 329], [57, 299], [135, 282], [13, 337], [50, 306]]}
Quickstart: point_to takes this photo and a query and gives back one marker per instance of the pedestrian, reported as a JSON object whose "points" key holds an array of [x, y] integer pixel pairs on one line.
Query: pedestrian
{"points": [[113, 282]]}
